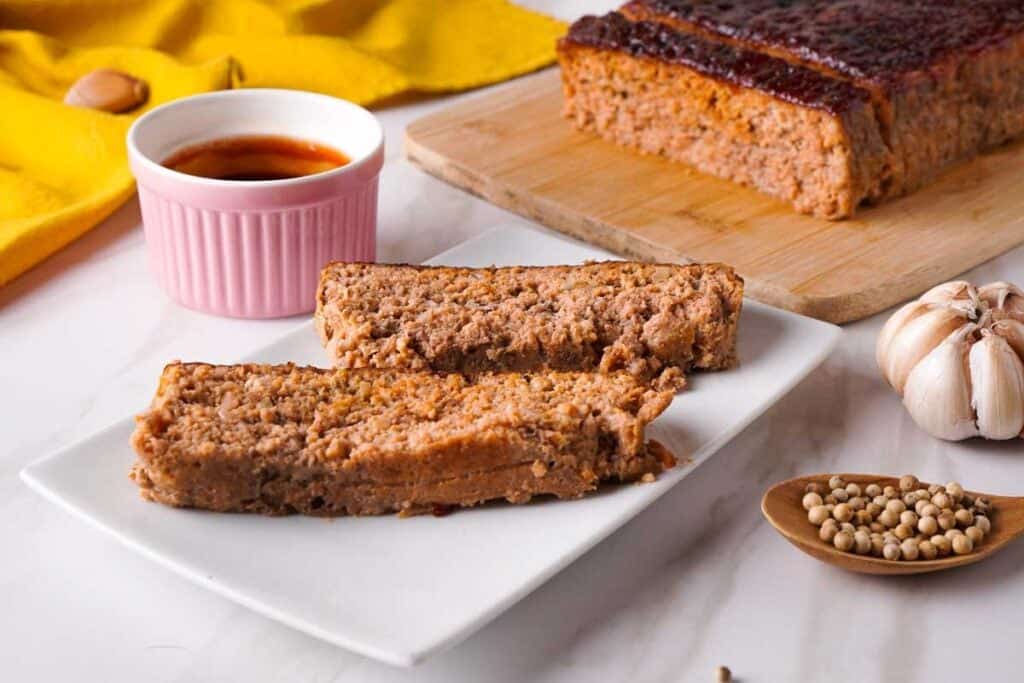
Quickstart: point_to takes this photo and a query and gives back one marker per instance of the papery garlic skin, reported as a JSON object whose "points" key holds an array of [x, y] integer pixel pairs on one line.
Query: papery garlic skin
{"points": [[937, 393], [1006, 298], [956, 356], [1013, 332], [997, 387]]}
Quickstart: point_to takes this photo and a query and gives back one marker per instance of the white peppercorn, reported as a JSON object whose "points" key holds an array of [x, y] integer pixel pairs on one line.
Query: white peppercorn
{"points": [[896, 505], [888, 518], [946, 521], [906, 524], [942, 544], [862, 543], [817, 515], [723, 675], [843, 541], [812, 500], [927, 525], [903, 531], [843, 512], [962, 544], [910, 549]]}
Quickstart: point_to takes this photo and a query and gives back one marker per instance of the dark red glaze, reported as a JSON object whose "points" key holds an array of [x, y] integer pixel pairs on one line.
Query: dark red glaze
{"points": [[874, 40], [788, 82]]}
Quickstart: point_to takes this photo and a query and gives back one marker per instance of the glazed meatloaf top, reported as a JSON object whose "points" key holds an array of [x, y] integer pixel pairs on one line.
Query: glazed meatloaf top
{"points": [[771, 75], [342, 417], [879, 41]]}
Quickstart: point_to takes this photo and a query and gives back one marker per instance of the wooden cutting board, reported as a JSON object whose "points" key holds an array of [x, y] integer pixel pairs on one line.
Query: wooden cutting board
{"points": [[512, 147]]}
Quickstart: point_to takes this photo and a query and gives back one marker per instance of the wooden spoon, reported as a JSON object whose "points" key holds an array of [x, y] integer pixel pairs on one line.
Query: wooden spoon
{"points": [[782, 506]]}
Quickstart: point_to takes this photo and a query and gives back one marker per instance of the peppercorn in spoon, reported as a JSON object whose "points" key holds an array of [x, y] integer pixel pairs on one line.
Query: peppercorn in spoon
{"points": [[798, 510]]}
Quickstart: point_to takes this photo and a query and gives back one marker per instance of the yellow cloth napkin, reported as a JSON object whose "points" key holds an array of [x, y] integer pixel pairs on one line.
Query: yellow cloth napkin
{"points": [[64, 169]]}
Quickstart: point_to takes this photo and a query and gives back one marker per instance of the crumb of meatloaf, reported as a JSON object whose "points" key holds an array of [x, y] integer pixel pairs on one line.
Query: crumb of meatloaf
{"points": [[785, 130], [654, 321], [946, 78], [285, 439]]}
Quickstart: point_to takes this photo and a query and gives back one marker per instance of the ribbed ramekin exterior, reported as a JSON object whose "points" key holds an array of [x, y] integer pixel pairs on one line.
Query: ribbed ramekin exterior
{"points": [[255, 263]]}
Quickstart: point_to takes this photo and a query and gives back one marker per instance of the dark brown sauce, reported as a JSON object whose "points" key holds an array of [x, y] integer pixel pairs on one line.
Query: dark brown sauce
{"points": [[255, 157]]}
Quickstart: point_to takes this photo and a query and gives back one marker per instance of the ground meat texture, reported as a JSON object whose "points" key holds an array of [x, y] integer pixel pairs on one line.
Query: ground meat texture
{"points": [[286, 439], [654, 321], [946, 76], [783, 129]]}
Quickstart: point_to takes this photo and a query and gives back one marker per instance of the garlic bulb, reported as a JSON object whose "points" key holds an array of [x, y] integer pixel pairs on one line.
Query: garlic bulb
{"points": [[955, 356]]}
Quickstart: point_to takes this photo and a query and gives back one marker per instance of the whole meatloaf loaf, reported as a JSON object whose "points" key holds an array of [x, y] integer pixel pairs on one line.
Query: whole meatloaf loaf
{"points": [[784, 129], [946, 76], [652, 320], [286, 439]]}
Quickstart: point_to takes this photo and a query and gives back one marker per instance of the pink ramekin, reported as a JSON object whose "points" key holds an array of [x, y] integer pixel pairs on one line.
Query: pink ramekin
{"points": [[254, 249]]}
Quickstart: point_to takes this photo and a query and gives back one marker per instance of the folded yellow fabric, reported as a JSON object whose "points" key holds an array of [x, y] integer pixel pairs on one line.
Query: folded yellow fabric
{"points": [[63, 169]]}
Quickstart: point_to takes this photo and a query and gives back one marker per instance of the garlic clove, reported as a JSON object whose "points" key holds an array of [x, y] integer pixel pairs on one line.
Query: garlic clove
{"points": [[938, 391], [893, 325], [915, 340], [1007, 298], [958, 294], [949, 291], [997, 377], [108, 90], [1013, 332]]}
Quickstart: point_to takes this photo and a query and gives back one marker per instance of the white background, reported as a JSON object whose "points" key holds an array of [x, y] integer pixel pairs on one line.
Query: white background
{"points": [[695, 581]]}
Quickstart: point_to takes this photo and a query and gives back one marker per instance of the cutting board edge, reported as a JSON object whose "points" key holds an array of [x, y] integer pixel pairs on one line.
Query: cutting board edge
{"points": [[839, 308]]}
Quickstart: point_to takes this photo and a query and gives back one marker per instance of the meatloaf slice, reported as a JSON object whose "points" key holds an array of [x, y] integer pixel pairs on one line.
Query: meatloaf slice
{"points": [[786, 130], [652, 320], [285, 439], [946, 76]]}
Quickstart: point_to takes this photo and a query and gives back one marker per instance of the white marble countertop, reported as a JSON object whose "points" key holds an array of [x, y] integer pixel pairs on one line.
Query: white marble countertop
{"points": [[697, 580]]}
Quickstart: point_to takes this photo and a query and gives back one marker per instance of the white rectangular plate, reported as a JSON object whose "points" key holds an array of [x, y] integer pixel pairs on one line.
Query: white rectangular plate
{"points": [[400, 590]]}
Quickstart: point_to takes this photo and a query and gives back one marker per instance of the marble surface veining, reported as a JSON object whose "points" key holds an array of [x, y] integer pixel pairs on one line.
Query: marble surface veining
{"points": [[696, 580]]}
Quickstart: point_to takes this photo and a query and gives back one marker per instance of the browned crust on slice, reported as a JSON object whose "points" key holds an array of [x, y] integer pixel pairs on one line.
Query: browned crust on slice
{"points": [[822, 162], [286, 439], [652, 320]]}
